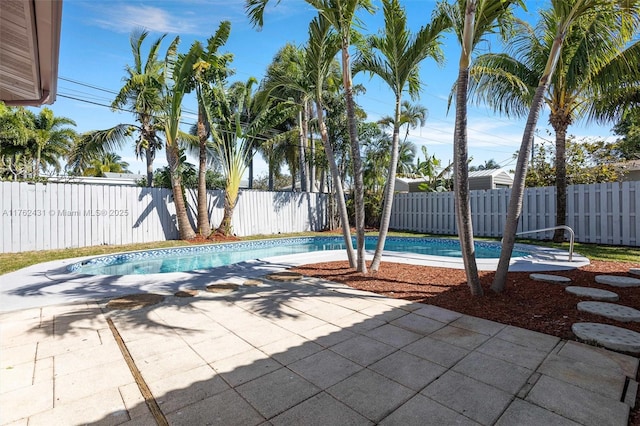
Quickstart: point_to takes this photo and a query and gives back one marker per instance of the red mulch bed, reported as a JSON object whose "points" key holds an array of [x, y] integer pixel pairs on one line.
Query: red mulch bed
{"points": [[534, 305], [215, 237]]}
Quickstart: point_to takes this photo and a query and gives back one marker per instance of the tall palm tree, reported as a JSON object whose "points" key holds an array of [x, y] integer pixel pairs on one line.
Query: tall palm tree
{"points": [[321, 49], [315, 68], [210, 67], [594, 59], [395, 57], [341, 14], [141, 93], [286, 79], [472, 21], [178, 70]]}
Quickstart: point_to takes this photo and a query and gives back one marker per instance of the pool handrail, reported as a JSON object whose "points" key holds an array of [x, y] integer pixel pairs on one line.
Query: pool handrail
{"points": [[553, 228]]}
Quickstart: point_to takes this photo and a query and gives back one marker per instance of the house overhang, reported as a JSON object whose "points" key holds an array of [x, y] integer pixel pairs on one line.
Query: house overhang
{"points": [[29, 51]]}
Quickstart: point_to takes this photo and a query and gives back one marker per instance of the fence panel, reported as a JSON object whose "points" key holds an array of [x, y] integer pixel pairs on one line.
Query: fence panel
{"points": [[607, 213], [61, 215]]}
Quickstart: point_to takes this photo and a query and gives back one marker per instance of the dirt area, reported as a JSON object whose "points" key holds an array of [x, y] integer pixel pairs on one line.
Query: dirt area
{"points": [[529, 304], [215, 237]]}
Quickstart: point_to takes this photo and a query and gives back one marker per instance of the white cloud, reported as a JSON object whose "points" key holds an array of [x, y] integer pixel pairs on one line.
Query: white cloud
{"points": [[125, 18]]}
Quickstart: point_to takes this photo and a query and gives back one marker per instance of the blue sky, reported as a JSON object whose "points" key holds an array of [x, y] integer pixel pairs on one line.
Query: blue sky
{"points": [[95, 50]]}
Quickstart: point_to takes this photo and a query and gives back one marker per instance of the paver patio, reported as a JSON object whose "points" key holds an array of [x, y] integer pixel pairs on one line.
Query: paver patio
{"points": [[306, 352]]}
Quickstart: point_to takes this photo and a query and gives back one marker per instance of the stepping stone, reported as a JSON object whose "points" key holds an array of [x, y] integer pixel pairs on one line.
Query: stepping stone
{"points": [[252, 282], [186, 293], [610, 310], [550, 278], [618, 281], [222, 288], [284, 276], [593, 293], [609, 336], [634, 271], [135, 301]]}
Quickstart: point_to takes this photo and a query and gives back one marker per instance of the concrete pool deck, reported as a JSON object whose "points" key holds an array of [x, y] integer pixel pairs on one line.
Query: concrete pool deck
{"points": [[51, 283], [308, 352]]}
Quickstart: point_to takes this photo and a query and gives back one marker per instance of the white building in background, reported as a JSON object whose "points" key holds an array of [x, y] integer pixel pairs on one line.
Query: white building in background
{"points": [[481, 179], [490, 179], [126, 179]]}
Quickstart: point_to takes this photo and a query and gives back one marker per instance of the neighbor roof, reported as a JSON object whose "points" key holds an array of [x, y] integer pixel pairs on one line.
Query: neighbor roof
{"points": [[488, 172]]}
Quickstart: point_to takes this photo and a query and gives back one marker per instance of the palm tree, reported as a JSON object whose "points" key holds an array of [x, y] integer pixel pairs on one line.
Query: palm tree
{"points": [[315, 65], [49, 139], [210, 67], [140, 93], [488, 165], [341, 14], [286, 79], [106, 162], [395, 57], [471, 20], [322, 47], [15, 130], [407, 155], [411, 115], [274, 153], [177, 74], [585, 70], [31, 142], [238, 117]]}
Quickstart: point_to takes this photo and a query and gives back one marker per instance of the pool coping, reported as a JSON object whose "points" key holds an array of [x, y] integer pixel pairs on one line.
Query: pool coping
{"points": [[51, 283]]}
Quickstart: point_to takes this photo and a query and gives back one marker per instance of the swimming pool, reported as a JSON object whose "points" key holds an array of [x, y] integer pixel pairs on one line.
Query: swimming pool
{"points": [[211, 256]]}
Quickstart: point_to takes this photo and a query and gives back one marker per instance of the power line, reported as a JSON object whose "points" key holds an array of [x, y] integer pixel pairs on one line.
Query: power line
{"points": [[275, 132]]}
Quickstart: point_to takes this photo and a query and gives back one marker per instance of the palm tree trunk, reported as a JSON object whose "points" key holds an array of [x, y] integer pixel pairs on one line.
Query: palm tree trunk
{"points": [[461, 185], [204, 226], [517, 191], [388, 193], [358, 195], [36, 166], [251, 170], [185, 230], [229, 205], [271, 173], [312, 164], [337, 184], [149, 156], [526, 148], [301, 150], [561, 182]]}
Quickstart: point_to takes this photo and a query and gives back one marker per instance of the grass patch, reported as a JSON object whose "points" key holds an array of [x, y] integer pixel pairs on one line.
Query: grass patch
{"points": [[594, 251], [13, 261]]}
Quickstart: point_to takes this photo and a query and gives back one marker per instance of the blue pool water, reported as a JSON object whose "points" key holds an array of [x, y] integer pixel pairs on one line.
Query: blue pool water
{"points": [[211, 256]]}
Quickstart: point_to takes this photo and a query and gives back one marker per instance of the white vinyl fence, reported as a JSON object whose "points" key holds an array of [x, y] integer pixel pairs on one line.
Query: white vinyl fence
{"points": [[55, 215], [607, 213]]}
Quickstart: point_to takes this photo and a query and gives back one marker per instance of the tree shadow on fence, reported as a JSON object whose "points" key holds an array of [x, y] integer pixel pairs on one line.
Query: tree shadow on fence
{"points": [[160, 199]]}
